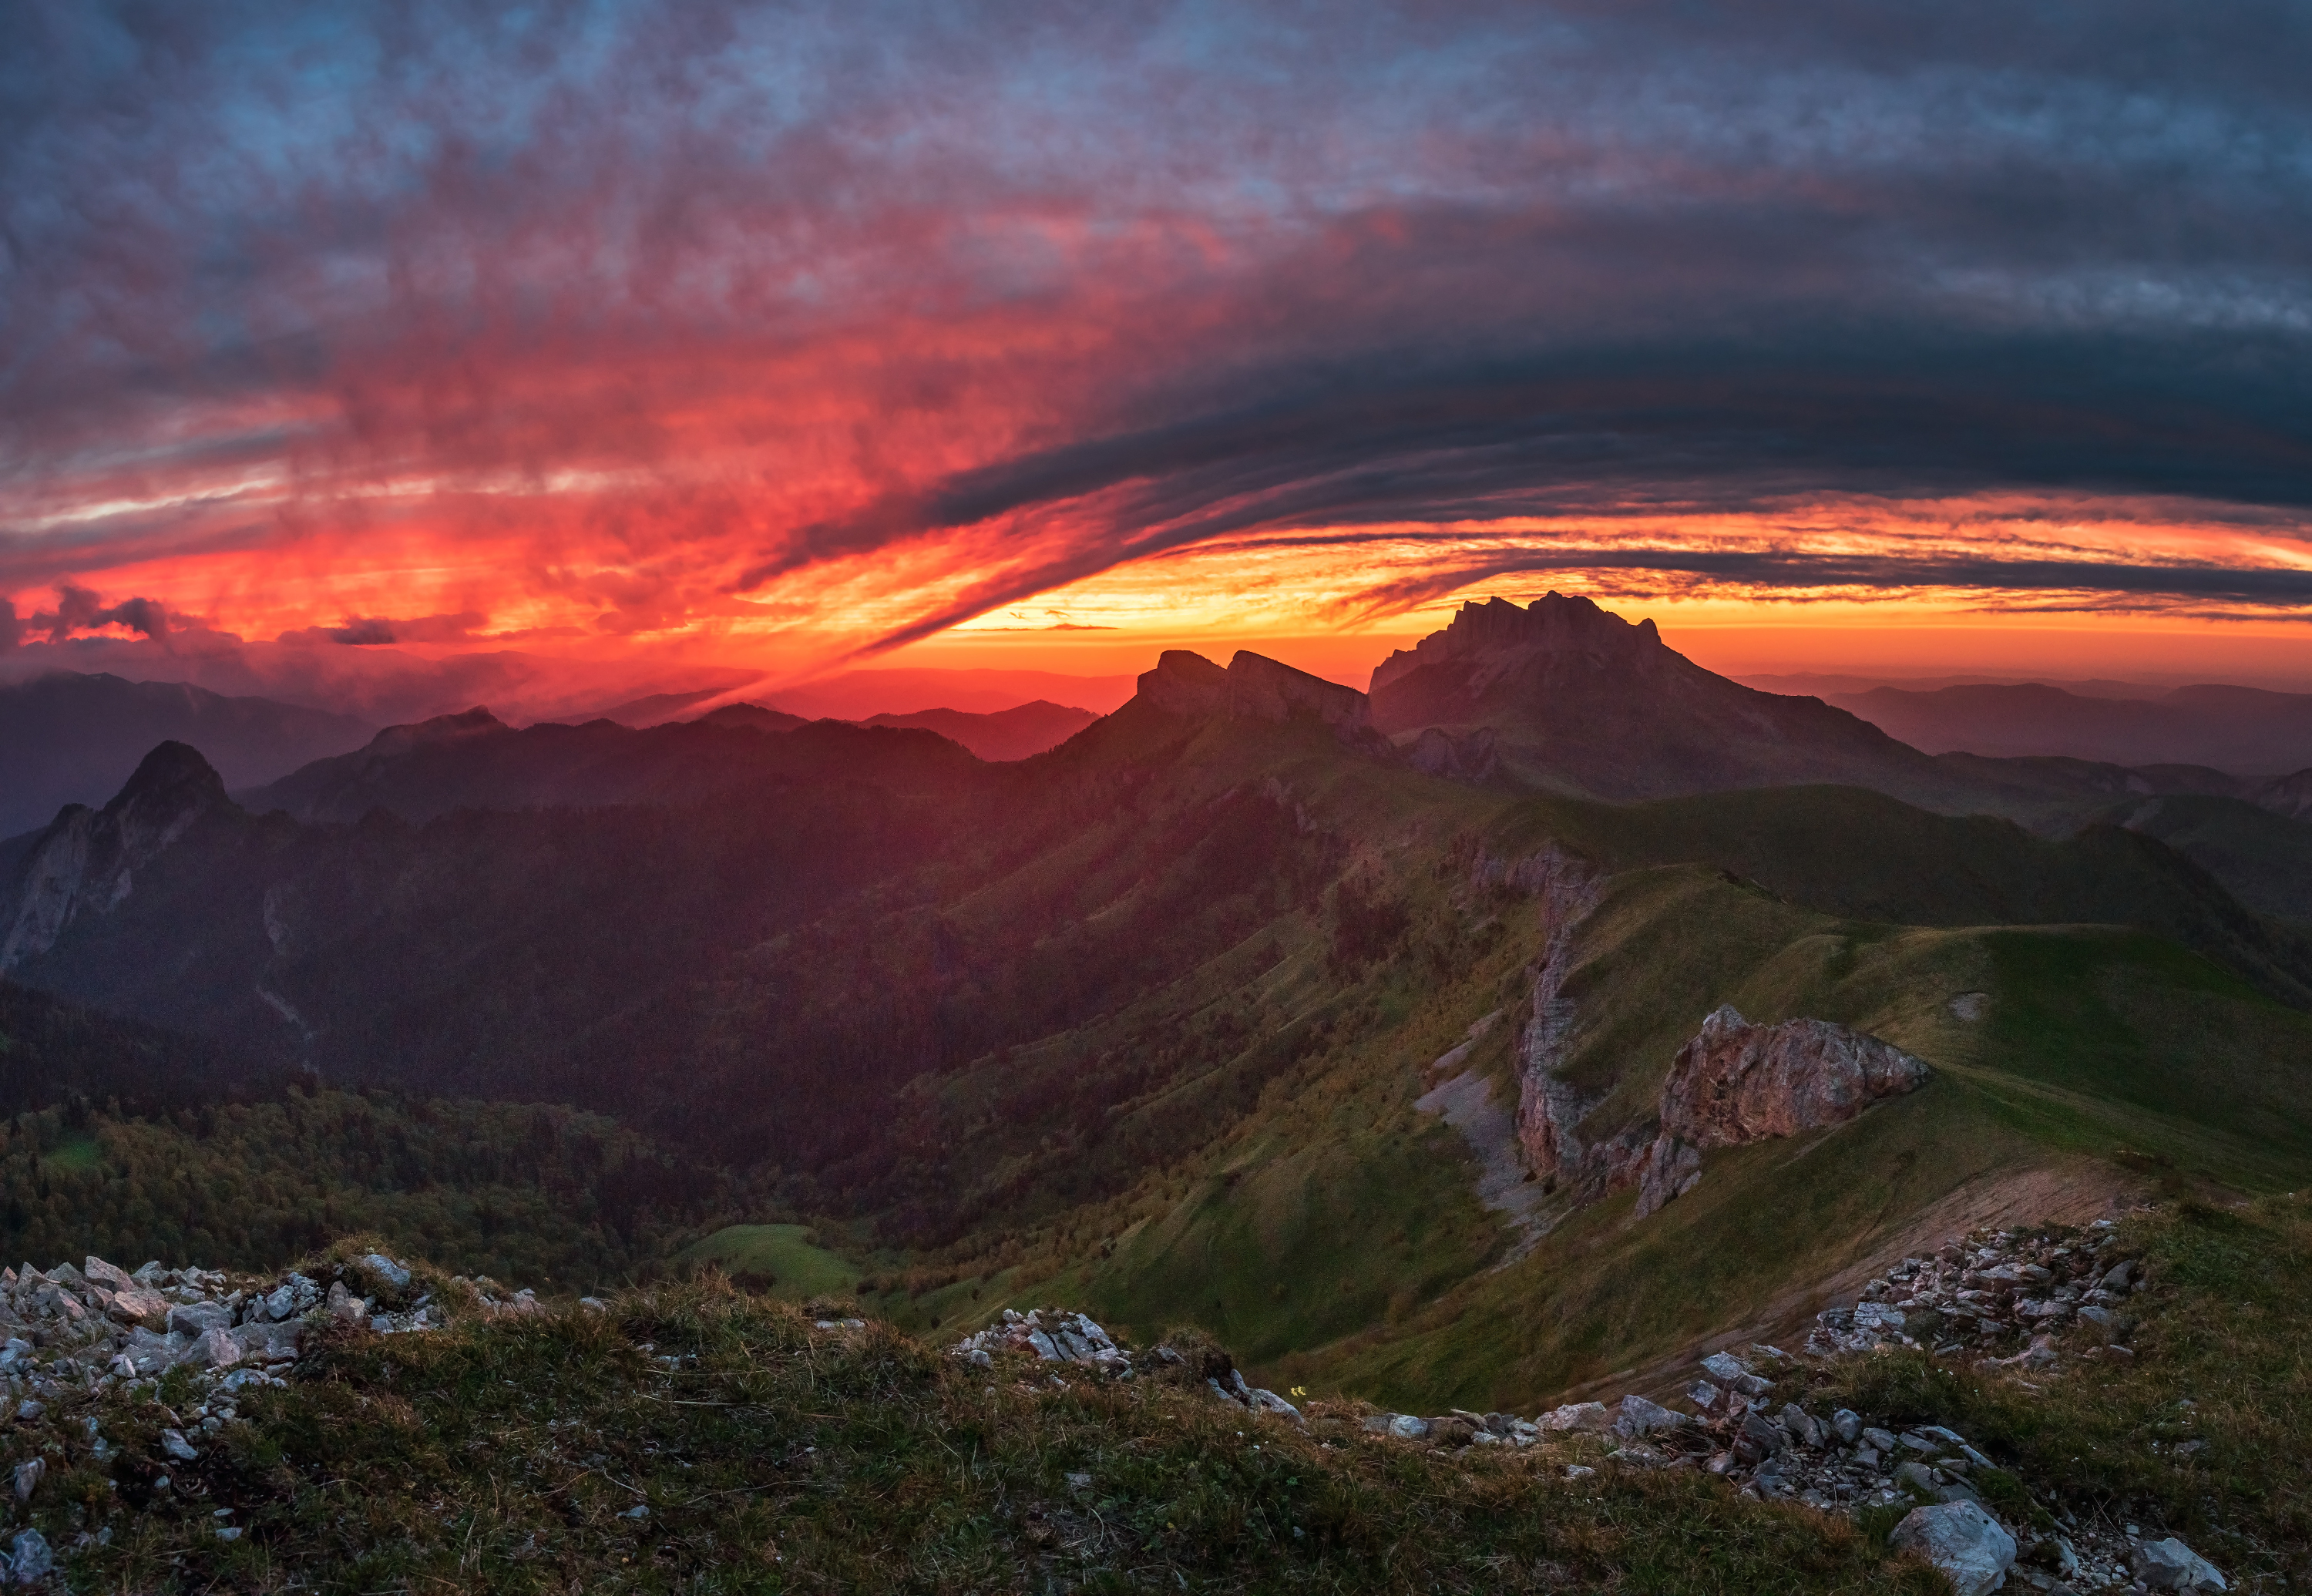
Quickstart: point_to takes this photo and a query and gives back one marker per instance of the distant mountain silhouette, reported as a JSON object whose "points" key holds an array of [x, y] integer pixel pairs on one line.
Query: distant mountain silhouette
{"points": [[1014, 733], [2246, 731], [69, 738], [473, 761]]}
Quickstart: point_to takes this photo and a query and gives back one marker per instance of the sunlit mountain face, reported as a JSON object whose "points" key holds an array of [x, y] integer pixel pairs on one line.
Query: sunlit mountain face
{"points": [[649, 347]]}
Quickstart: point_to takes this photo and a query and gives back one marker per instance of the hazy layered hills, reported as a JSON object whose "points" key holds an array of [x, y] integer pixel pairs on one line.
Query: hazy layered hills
{"points": [[1145, 1021], [1019, 732], [69, 738], [2250, 734]]}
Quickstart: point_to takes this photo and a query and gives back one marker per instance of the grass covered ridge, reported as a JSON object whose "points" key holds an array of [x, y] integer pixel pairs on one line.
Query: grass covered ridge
{"points": [[700, 1438]]}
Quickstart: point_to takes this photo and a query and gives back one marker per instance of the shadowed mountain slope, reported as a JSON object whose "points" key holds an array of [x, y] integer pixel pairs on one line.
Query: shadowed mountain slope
{"points": [[475, 761], [68, 738]]}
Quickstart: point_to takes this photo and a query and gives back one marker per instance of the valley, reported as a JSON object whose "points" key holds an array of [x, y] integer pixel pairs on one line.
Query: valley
{"points": [[1242, 1011]]}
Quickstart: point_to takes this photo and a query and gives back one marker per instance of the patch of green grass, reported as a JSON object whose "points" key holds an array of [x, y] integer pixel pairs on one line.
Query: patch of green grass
{"points": [[780, 1261], [76, 1154], [764, 1456]]}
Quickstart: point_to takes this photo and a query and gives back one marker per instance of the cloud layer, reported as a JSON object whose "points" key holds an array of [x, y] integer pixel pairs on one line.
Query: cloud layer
{"points": [[814, 328]]}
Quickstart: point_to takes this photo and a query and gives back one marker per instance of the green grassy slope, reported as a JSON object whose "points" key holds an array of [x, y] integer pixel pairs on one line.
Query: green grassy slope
{"points": [[1334, 1236], [2264, 859], [779, 1260]]}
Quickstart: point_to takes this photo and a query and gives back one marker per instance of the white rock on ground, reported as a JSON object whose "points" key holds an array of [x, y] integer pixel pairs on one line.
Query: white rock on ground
{"points": [[1973, 1550], [2171, 1566]]}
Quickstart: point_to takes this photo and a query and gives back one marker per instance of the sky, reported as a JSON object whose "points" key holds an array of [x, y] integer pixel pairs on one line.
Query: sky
{"points": [[640, 345]]}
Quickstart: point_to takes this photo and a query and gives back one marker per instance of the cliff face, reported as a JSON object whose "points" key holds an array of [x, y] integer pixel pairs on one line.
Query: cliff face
{"points": [[86, 861]]}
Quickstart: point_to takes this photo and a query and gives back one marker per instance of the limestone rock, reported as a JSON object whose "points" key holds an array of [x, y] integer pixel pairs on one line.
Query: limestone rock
{"points": [[135, 1304], [1672, 1168], [195, 1319], [1736, 1083], [111, 1277], [1640, 1417], [2171, 1566], [386, 1269], [1973, 1550], [32, 1560], [1586, 1418]]}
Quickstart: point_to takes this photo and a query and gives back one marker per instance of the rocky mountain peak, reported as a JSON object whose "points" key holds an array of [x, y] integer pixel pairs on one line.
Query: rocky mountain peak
{"points": [[1253, 688], [174, 778], [86, 861], [1555, 622]]}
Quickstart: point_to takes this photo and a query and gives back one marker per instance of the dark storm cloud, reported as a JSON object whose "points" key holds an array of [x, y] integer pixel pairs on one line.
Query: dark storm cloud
{"points": [[1073, 287]]}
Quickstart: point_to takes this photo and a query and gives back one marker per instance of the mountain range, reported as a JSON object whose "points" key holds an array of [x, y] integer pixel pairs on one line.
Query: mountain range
{"points": [[1162, 1020], [2252, 734]]}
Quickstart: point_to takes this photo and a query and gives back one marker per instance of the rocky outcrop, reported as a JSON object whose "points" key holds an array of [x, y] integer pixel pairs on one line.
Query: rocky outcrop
{"points": [[86, 861], [1548, 1107], [1255, 688], [1991, 1289], [1736, 1082], [1475, 758], [1733, 1083]]}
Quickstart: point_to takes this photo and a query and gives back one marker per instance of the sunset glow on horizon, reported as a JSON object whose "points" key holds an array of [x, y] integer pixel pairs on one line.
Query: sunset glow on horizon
{"points": [[651, 344]]}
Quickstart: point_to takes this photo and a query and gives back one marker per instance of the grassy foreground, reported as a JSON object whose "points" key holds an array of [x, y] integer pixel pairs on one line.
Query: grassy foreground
{"points": [[700, 1438]]}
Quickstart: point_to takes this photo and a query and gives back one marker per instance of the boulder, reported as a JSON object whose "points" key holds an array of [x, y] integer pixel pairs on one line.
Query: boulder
{"points": [[32, 1560], [269, 1342], [214, 1349], [138, 1305], [2171, 1566], [1736, 1082], [1640, 1417], [1586, 1418], [391, 1272], [1672, 1168], [1973, 1550], [1847, 1425], [195, 1320], [111, 1277]]}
